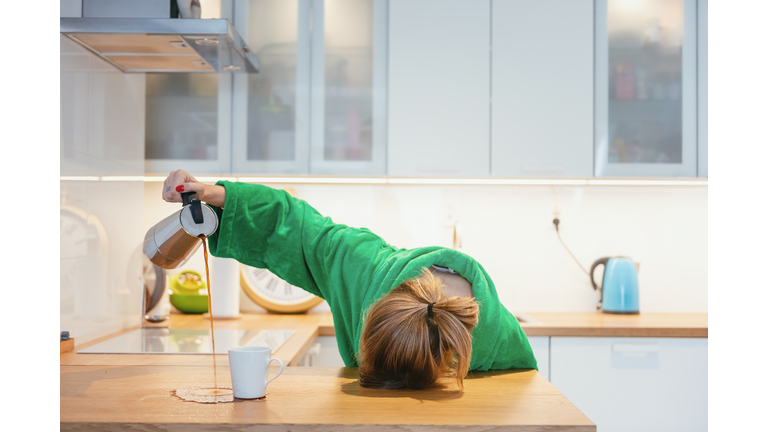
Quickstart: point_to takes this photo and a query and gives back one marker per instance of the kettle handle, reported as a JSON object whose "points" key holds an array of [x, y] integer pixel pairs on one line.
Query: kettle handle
{"points": [[604, 262], [188, 198]]}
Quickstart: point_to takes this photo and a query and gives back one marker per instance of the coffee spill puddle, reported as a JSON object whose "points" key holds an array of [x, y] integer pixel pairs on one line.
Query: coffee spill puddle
{"points": [[209, 395], [206, 394]]}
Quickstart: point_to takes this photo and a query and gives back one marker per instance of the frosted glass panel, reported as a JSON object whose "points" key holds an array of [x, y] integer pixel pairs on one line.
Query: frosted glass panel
{"points": [[349, 33], [645, 108], [182, 116], [272, 35]]}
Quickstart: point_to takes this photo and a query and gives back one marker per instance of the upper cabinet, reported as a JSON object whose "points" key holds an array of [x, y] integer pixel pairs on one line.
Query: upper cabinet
{"points": [[434, 88], [542, 88], [271, 117], [317, 105], [646, 88], [439, 87], [189, 117], [349, 87]]}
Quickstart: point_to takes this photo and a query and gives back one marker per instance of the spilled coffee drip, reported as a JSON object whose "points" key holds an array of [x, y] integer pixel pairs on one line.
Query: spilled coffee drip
{"points": [[210, 310]]}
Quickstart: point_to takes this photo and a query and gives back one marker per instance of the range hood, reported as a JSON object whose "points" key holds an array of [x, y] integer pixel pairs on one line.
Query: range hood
{"points": [[163, 44]]}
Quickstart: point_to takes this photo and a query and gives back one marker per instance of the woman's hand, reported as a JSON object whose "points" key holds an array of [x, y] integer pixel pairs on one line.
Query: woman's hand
{"points": [[181, 181]]}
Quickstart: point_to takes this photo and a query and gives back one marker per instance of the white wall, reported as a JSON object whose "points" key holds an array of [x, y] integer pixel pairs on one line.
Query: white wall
{"points": [[509, 230], [102, 134]]}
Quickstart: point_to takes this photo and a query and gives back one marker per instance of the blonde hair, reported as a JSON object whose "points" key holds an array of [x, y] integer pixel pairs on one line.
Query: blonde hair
{"points": [[403, 347]]}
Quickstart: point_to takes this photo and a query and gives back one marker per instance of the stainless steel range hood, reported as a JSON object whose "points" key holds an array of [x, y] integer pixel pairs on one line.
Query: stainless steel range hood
{"points": [[163, 44]]}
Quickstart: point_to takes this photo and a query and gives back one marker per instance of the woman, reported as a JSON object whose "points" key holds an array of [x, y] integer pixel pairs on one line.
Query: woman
{"points": [[406, 317]]}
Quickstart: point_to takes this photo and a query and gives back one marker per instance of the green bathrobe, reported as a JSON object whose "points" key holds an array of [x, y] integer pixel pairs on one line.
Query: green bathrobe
{"points": [[352, 268]]}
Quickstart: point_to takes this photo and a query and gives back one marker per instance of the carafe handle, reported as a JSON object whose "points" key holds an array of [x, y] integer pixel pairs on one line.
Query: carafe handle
{"points": [[190, 198], [604, 262]]}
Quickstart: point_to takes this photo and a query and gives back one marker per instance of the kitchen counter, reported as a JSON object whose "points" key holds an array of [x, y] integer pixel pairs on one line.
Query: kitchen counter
{"points": [[311, 399], [118, 391]]}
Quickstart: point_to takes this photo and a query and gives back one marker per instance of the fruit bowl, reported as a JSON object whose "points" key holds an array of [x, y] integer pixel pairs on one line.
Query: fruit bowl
{"points": [[190, 303], [187, 282]]}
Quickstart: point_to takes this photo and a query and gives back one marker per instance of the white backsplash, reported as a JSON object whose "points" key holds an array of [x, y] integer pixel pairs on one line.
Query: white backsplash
{"points": [[509, 230], [102, 134]]}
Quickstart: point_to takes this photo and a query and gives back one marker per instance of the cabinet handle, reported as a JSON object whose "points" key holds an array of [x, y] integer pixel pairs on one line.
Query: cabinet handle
{"points": [[635, 349]]}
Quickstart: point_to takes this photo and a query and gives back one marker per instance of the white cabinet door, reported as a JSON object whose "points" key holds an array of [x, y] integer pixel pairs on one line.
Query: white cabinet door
{"points": [[439, 87], [634, 384], [540, 346], [542, 68]]}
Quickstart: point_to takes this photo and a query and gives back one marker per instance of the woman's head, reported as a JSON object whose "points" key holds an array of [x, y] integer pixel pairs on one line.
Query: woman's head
{"points": [[405, 346]]}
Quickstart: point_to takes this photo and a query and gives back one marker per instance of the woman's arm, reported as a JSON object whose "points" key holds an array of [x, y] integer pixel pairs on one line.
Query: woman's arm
{"points": [[267, 228]]}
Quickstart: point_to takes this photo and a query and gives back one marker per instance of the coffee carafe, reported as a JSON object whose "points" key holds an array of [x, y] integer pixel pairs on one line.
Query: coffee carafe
{"points": [[173, 240]]}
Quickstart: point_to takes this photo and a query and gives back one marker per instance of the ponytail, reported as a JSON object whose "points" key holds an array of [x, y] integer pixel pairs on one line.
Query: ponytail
{"points": [[416, 335]]}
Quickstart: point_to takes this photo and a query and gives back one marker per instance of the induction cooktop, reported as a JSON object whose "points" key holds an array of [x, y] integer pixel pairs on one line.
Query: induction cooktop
{"points": [[182, 341]]}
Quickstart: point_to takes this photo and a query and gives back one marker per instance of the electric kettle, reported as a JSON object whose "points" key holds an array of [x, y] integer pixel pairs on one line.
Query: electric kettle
{"points": [[171, 242], [619, 290]]}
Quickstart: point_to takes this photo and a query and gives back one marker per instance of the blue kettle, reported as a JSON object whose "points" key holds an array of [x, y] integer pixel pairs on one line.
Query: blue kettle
{"points": [[619, 291]]}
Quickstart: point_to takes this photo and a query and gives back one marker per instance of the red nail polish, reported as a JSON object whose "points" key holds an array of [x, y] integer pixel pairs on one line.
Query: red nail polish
{"points": [[180, 188]]}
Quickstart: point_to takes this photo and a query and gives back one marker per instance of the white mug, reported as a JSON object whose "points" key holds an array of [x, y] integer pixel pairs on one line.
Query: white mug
{"points": [[248, 367]]}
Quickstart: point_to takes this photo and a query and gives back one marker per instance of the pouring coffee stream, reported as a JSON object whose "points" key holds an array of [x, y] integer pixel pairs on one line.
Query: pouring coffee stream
{"points": [[172, 242]]}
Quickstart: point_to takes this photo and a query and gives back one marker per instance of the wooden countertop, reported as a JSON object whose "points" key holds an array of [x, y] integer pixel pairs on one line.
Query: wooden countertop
{"points": [[582, 324], [304, 398]]}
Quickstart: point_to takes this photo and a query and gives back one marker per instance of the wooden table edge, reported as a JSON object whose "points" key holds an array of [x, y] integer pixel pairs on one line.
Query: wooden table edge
{"points": [[312, 427]]}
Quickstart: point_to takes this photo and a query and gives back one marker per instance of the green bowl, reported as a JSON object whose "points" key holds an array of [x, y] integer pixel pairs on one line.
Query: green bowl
{"points": [[192, 282], [190, 303]]}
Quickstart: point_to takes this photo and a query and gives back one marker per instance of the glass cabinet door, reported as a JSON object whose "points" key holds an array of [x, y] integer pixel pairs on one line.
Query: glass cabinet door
{"points": [[645, 88], [349, 55], [187, 122], [188, 115], [271, 108]]}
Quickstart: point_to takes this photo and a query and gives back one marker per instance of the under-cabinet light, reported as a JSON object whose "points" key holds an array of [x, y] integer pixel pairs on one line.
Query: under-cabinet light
{"points": [[648, 182], [79, 178], [215, 179], [460, 181], [337, 180], [123, 178]]}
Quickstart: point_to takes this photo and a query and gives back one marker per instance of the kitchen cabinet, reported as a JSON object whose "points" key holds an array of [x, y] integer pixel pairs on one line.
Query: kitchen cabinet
{"points": [[270, 125], [542, 92], [349, 87], [646, 88], [439, 86], [189, 117], [634, 384], [318, 104], [188, 123], [540, 347]]}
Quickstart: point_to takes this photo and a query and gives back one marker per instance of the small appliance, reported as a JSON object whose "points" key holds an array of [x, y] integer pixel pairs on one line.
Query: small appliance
{"points": [[619, 290], [171, 242]]}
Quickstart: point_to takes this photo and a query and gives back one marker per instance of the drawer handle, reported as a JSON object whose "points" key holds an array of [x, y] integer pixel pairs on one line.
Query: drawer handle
{"points": [[636, 349]]}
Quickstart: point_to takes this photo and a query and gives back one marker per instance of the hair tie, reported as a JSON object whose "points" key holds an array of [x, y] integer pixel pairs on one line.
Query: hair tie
{"points": [[429, 310]]}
